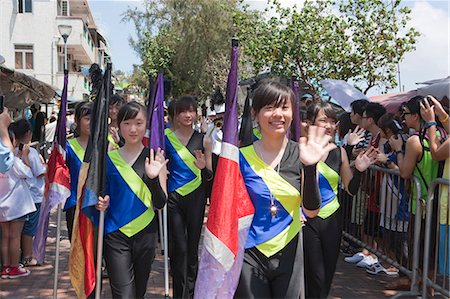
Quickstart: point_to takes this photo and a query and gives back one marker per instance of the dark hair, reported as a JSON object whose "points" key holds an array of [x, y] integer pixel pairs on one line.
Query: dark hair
{"points": [[129, 111], [359, 106], [83, 109], [38, 126], [375, 111], [413, 105], [313, 110], [391, 122], [271, 92], [171, 108], [345, 124], [11, 134], [20, 127], [116, 99], [186, 103]]}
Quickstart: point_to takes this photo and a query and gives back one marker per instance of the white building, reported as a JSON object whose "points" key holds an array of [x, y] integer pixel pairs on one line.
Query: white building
{"points": [[31, 43]]}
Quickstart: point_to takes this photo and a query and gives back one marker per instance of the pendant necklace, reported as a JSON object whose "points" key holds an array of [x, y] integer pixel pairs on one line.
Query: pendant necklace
{"points": [[273, 207]]}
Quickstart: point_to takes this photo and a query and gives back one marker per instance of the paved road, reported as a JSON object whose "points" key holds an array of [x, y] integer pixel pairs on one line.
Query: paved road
{"points": [[349, 281]]}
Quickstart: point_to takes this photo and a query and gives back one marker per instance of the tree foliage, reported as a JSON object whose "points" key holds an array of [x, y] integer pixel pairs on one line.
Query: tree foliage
{"points": [[359, 40], [362, 40]]}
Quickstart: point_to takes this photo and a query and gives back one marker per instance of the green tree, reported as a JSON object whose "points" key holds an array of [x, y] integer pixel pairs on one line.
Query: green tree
{"points": [[188, 39], [360, 40]]}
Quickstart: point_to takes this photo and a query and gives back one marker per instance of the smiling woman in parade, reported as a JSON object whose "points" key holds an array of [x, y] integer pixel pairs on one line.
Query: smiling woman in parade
{"points": [[190, 166], [322, 234], [273, 172], [133, 190]]}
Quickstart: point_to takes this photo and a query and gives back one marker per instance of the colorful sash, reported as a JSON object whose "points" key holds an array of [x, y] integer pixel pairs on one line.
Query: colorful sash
{"points": [[111, 140], [328, 186], [269, 234], [184, 176], [130, 208], [256, 134], [74, 159]]}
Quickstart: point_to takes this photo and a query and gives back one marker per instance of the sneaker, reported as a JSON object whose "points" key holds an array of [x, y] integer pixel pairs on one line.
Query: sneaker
{"points": [[367, 261], [356, 258], [15, 272], [5, 272]]}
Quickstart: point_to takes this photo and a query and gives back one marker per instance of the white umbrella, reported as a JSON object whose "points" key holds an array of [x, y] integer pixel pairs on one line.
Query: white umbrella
{"points": [[429, 82], [342, 92], [2, 60]]}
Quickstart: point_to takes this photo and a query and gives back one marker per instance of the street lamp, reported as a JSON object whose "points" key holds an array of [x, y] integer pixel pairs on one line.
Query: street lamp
{"points": [[65, 31]]}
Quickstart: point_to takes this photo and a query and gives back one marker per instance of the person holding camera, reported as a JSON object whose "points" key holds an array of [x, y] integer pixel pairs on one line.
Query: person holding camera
{"points": [[6, 147], [416, 160]]}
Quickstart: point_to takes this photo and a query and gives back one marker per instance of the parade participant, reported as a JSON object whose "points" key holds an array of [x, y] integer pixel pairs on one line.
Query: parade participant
{"points": [[6, 147], [272, 173], [115, 103], [190, 166], [133, 190], [22, 132], [15, 203], [322, 234], [75, 149]]}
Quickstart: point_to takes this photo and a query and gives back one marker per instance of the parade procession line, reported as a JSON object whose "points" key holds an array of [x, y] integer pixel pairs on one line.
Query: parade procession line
{"points": [[349, 281]]}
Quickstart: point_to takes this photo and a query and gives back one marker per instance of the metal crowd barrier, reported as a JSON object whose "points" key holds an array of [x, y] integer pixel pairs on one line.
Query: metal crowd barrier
{"points": [[384, 230], [440, 276]]}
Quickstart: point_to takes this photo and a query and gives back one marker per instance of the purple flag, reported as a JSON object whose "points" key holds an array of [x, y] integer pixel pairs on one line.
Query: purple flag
{"points": [[154, 136], [296, 121]]}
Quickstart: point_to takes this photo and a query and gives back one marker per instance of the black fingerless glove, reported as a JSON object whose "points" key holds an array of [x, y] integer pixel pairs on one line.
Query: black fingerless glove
{"points": [[311, 193]]}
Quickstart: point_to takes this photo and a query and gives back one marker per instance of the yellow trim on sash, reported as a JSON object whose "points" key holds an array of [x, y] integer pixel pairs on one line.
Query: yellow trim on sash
{"points": [[284, 193], [333, 179], [257, 133], [113, 142], [77, 148], [140, 189], [189, 160]]}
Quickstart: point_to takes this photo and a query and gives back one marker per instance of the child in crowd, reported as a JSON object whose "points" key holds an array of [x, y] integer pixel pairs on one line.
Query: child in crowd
{"points": [[15, 203], [36, 185]]}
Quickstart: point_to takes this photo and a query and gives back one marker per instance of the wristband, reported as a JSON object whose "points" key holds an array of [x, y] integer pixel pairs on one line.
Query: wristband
{"points": [[429, 124], [445, 119]]}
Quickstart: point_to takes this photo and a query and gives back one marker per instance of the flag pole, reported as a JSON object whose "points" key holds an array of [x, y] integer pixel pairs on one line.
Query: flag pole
{"points": [[107, 91], [166, 255], [58, 236], [161, 230], [98, 280]]}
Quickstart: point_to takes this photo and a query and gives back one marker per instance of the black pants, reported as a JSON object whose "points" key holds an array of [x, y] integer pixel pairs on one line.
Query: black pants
{"points": [[70, 216], [273, 277], [129, 261], [185, 220], [322, 239]]}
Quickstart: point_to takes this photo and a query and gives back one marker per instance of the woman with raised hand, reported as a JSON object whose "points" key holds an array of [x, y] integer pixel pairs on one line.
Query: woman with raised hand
{"points": [[322, 234], [135, 185], [273, 169], [190, 166]]}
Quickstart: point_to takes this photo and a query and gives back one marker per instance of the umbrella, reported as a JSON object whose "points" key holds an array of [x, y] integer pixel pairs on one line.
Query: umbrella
{"points": [[21, 90], [393, 101], [429, 82], [438, 90], [342, 92]]}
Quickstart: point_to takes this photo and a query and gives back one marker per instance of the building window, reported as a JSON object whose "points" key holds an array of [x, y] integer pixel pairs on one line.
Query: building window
{"points": [[24, 57], [24, 6], [63, 8]]}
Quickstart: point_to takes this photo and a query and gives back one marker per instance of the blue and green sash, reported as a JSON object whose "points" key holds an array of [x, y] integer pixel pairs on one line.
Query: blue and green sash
{"points": [[256, 134], [74, 159], [130, 208], [184, 176], [112, 141], [269, 234], [328, 186]]}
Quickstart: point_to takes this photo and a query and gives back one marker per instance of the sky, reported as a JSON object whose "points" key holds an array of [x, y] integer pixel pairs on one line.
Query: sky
{"points": [[430, 60]]}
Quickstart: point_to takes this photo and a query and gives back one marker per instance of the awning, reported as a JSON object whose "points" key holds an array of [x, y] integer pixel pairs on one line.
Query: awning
{"points": [[393, 101], [21, 90]]}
